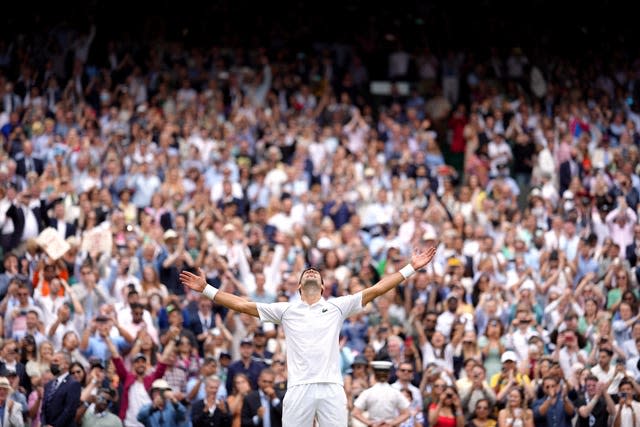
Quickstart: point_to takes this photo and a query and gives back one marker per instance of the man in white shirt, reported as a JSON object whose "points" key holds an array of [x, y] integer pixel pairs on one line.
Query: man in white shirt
{"points": [[312, 327], [384, 404], [405, 375]]}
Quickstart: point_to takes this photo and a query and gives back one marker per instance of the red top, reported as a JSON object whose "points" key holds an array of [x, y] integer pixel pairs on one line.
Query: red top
{"points": [[443, 421], [128, 378]]}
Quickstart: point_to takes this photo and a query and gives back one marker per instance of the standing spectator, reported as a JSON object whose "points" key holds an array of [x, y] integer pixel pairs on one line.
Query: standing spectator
{"points": [[263, 407], [555, 408], [135, 384], [447, 411], [211, 411], [404, 373], [10, 410], [246, 365], [627, 411], [594, 405], [164, 409], [516, 412], [480, 417], [61, 394], [478, 391], [383, 403], [101, 416]]}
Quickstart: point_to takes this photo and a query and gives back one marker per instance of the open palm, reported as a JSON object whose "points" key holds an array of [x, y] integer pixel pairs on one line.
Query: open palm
{"points": [[195, 282], [423, 258]]}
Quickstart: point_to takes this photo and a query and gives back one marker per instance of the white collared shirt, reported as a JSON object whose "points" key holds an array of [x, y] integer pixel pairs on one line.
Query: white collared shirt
{"points": [[311, 335]]}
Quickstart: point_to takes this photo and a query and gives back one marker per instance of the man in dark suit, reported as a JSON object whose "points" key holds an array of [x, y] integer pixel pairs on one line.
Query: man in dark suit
{"points": [[568, 169], [632, 250], [201, 319], [210, 411], [65, 229], [61, 395], [263, 407], [26, 162]]}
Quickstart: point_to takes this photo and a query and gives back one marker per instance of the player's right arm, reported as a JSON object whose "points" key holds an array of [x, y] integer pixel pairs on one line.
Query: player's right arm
{"points": [[233, 302]]}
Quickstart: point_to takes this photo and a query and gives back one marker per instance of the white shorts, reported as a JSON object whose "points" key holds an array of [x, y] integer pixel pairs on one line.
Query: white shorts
{"points": [[325, 401]]}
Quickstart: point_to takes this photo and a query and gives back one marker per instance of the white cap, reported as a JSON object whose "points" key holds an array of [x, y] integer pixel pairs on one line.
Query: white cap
{"points": [[554, 290], [429, 235], [382, 365], [170, 234], [161, 384], [536, 192], [527, 285], [509, 355], [568, 194], [324, 243]]}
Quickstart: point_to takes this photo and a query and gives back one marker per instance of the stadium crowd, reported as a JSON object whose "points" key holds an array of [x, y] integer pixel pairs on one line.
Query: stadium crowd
{"points": [[253, 164]]}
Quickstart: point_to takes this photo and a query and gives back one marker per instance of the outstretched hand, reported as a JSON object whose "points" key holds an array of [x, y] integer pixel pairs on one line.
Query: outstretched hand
{"points": [[423, 258], [197, 283]]}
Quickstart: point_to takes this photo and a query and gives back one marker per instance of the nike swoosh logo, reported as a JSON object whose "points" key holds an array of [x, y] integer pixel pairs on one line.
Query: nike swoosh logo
{"points": [[324, 310]]}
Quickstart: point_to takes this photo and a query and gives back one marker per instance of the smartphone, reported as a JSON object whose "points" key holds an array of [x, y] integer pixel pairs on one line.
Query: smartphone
{"points": [[408, 342]]}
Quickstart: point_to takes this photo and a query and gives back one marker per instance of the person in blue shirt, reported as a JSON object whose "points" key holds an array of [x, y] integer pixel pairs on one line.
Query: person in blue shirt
{"points": [[554, 409], [164, 409]]}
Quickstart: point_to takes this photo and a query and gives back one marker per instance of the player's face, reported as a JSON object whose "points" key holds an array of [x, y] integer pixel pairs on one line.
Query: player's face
{"points": [[311, 275]]}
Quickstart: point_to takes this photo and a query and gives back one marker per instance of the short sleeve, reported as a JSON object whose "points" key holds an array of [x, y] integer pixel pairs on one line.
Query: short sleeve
{"points": [[361, 401], [348, 304], [272, 312], [403, 402]]}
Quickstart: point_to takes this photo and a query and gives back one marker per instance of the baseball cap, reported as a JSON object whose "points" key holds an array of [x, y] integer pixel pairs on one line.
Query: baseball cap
{"points": [[429, 235], [160, 384], [170, 234], [97, 363], [139, 356], [246, 341], [509, 356], [527, 285], [4, 383]]}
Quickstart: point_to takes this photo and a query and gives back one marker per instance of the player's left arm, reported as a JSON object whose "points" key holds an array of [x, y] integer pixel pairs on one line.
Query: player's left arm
{"points": [[392, 280]]}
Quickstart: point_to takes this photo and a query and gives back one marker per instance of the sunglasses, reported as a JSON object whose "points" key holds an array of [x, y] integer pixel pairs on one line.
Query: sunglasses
{"points": [[405, 370]]}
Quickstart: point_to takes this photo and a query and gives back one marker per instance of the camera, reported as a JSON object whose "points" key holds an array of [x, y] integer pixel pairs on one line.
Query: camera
{"points": [[622, 395]]}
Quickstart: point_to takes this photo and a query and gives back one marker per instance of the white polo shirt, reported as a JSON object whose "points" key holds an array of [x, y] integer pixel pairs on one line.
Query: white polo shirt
{"points": [[311, 334]]}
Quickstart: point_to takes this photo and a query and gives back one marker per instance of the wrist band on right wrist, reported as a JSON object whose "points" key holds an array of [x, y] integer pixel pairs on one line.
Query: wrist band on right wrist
{"points": [[209, 292], [407, 271]]}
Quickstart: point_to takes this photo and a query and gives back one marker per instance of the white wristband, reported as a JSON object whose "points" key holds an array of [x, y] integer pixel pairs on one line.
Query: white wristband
{"points": [[209, 292], [407, 271]]}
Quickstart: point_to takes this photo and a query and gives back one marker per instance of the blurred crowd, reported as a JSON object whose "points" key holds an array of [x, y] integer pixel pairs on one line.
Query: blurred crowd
{"points": [[253, 164]]}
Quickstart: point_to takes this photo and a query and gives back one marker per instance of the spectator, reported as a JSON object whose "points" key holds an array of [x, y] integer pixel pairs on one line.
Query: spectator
{"points": [[101, 416], [11, 410], [163, 408], [555, 409], [263, 403], [135, 385], [61, 394], [211, 411]]}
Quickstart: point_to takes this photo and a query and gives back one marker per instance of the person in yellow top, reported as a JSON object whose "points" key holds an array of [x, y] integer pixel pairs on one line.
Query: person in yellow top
{"points": [[509, 377]]}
